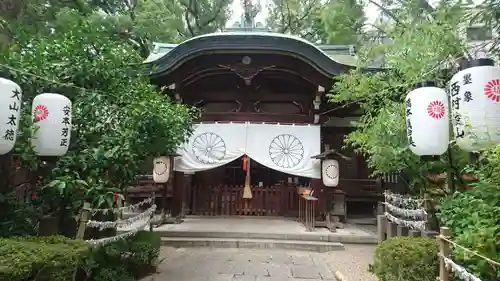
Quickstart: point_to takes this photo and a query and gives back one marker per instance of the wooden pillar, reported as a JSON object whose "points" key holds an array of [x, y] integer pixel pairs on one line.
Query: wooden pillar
{"points": [[177, 196], [317, 104], [402, 230], [284, 199], [391, 229], [444, 250], [381, 228], [82, 220], [188, 179], [380, 208], [320, 193]]}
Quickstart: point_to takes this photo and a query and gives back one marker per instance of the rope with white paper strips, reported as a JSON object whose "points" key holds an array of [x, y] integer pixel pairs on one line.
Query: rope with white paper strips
{"points": [[420, 214], [419, 225], [461, 272], [104, 241], [403, 201], [101, 225], [130, 208]]}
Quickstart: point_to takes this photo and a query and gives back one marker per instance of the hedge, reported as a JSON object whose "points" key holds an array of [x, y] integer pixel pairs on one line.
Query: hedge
{"points": [[42, 259], [57, 258], [406, 259]]}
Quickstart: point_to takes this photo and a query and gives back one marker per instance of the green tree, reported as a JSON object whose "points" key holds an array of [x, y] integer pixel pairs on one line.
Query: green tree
{"points": [[330, 22], [419, 49], [119, 119], [424, 44], [136, 22]]}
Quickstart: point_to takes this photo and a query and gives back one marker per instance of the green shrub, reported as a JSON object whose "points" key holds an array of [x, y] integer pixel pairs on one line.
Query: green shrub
{"points": [[18, 220], [112, 274], [40, 258], [406, 259], [58, 258], [472, 217], [137, 254]]}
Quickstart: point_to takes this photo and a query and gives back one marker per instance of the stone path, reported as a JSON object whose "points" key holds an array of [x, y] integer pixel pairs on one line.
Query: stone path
{"points": [[204, 264], [352, 262]]}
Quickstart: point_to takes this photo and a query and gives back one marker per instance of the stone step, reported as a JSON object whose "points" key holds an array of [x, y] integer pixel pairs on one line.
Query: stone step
{"points": [[311, 237], [312, 246]]}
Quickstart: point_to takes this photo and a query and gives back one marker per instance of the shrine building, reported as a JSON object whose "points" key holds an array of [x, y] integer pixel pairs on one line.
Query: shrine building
{"points": [[265, 117]]}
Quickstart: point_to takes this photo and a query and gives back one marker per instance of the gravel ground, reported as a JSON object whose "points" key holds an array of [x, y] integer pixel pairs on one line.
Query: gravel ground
{"points": [[353, 262]]}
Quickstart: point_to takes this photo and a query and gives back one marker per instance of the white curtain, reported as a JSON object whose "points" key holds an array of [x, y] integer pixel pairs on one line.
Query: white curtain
{"points": [[211, 146], [285, 148]]}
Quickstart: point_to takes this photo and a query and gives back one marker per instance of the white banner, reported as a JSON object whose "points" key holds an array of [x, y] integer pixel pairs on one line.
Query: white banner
{"points": [[211, 146], [285, 148]]}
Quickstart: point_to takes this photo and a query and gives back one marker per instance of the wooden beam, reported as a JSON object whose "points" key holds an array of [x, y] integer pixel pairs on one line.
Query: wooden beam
{"points": [[257, 117], [281, 63], [231, 96]]}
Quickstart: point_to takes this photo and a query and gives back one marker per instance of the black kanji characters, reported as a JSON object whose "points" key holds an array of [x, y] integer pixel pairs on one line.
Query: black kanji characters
{"points": [[14, 106], [9, 134], [12, 120], [64, 142], [455, 103], [16, 95], [467, 96], [454, 89], [467, 79], [65, 130], [66, 110], [411, 141]]}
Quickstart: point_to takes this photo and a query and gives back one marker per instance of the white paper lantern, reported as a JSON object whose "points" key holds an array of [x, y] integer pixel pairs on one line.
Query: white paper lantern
{"points": [[475, 105], [427, 120], [52, 115], [330, 172], [10, 112], [161, 169]]}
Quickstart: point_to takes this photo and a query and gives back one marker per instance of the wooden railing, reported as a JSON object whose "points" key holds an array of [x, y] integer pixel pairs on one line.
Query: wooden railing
{"points": [[362, 190], [216, 200], [257, 117], [307, 211]]}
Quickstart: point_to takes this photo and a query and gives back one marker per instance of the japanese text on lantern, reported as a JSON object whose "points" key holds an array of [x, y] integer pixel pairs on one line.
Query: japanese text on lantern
{"points": [[66, 123], [14, 108], [455, 99], [409, 127], [467, 79]]}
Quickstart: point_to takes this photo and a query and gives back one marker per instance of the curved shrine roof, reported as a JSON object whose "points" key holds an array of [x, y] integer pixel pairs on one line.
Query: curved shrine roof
{"points": [[327, 59]]}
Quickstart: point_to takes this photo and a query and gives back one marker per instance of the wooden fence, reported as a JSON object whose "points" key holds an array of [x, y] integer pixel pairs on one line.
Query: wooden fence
{"points": [[216, 200], [405, 216], [387, 229], [116, 211], [400, 215]]}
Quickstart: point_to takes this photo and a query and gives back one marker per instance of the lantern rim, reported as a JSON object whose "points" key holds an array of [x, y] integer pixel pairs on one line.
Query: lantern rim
{"points": [[423, 84], [476, 63]]}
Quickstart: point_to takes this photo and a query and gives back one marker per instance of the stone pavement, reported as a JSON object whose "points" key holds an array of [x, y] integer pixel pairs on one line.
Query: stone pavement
{"points": [[205, 264]]}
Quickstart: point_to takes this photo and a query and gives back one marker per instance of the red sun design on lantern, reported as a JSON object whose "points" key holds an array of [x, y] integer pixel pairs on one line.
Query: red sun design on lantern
{"points": [[492, 90], [435, 109], [41, 112]]}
